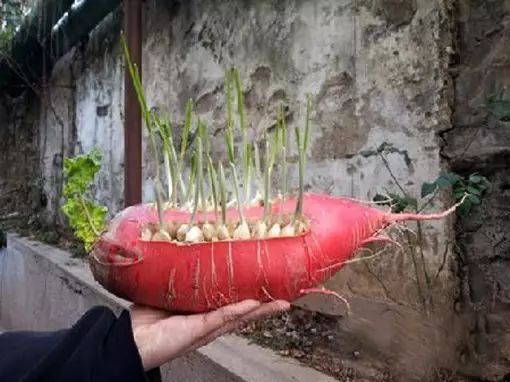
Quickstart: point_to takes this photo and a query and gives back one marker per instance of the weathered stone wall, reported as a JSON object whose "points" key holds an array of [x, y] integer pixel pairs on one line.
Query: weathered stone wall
{"points": [[378, 73], [82, 110], [480, 142], [20, 180]]}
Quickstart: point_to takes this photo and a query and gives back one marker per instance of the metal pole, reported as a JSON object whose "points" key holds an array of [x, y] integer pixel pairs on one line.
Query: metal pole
{"points": [[133, 120], [132, 112]]}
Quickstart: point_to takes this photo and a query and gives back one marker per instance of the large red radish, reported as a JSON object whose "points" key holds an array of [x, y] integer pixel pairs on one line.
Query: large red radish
{"points": [[204, 276], [188, 259]]}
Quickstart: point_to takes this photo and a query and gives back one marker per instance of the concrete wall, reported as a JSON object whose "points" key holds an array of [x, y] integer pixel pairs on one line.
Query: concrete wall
{"points": [[378, 73]]}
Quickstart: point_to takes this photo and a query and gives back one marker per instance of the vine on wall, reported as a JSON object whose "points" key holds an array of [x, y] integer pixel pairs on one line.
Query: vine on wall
{"points": [[11, 14]]}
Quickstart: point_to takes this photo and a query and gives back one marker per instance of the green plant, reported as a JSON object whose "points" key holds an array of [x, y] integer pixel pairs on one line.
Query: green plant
{"points": [[398, 203], [302, 143], [243, 164], [11, 14], [270, 158], [473, 187], [86, 218], [499, 107], [150, 124]]}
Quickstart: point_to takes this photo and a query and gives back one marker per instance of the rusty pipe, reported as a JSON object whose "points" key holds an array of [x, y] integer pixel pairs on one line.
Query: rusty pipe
{"points": [[132, 111]]}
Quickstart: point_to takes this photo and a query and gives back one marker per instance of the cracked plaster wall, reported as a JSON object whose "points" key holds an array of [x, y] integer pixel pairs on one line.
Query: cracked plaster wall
{"points": [[377, 70]]}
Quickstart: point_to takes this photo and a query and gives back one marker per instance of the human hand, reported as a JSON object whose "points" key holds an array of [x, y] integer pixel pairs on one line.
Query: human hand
{"points": [[161, 337]]}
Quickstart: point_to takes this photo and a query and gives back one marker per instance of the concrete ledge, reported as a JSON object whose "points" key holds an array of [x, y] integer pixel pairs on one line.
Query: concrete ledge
{"points": [[44, 288]]}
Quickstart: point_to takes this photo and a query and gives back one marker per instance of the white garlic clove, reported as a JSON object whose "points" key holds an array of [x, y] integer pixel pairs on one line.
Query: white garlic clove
{"points": [[242, 231], [223, 233], [194, 235], [146, 234], [274, 231], [260, 230], [288, 230], [171, 228], [161, 235], [181, 232], [209, 231]]}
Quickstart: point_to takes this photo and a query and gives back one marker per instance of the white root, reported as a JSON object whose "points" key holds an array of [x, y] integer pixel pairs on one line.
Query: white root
{"points": [[275, 230], [194, 235], [209, 232], [242, 231]]}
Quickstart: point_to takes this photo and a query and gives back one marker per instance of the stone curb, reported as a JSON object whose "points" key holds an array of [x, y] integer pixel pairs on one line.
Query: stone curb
{"points": [[44, 288]]}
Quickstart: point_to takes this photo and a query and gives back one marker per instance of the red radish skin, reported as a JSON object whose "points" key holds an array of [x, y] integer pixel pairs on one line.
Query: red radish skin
{"points": [[201, 277]]}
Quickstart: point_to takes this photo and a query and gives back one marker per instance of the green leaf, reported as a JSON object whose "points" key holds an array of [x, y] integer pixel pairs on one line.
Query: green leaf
{"points": [[257, 166], [413, 203], [298, 138], [229, 133], [443, 182], [401, 203], [397, 202], [482, 187], [458, 195], [223, 194], [86, 218], [475, 178], [306, 142], [399, 206], [465, 208], [453, 178], [460, 189], [479, 182], [240, 97], [148, 118], [473, 199], [473, 190], [185, 132], [192, 177], [500, 108], [283, 126], [80, 172], [213, 182], [428, 188], [137, 84], [236, 190], [380, 198]]}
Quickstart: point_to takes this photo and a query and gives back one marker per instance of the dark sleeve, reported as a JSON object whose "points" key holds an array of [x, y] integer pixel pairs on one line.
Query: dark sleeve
{"points": [[100, 347]]}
